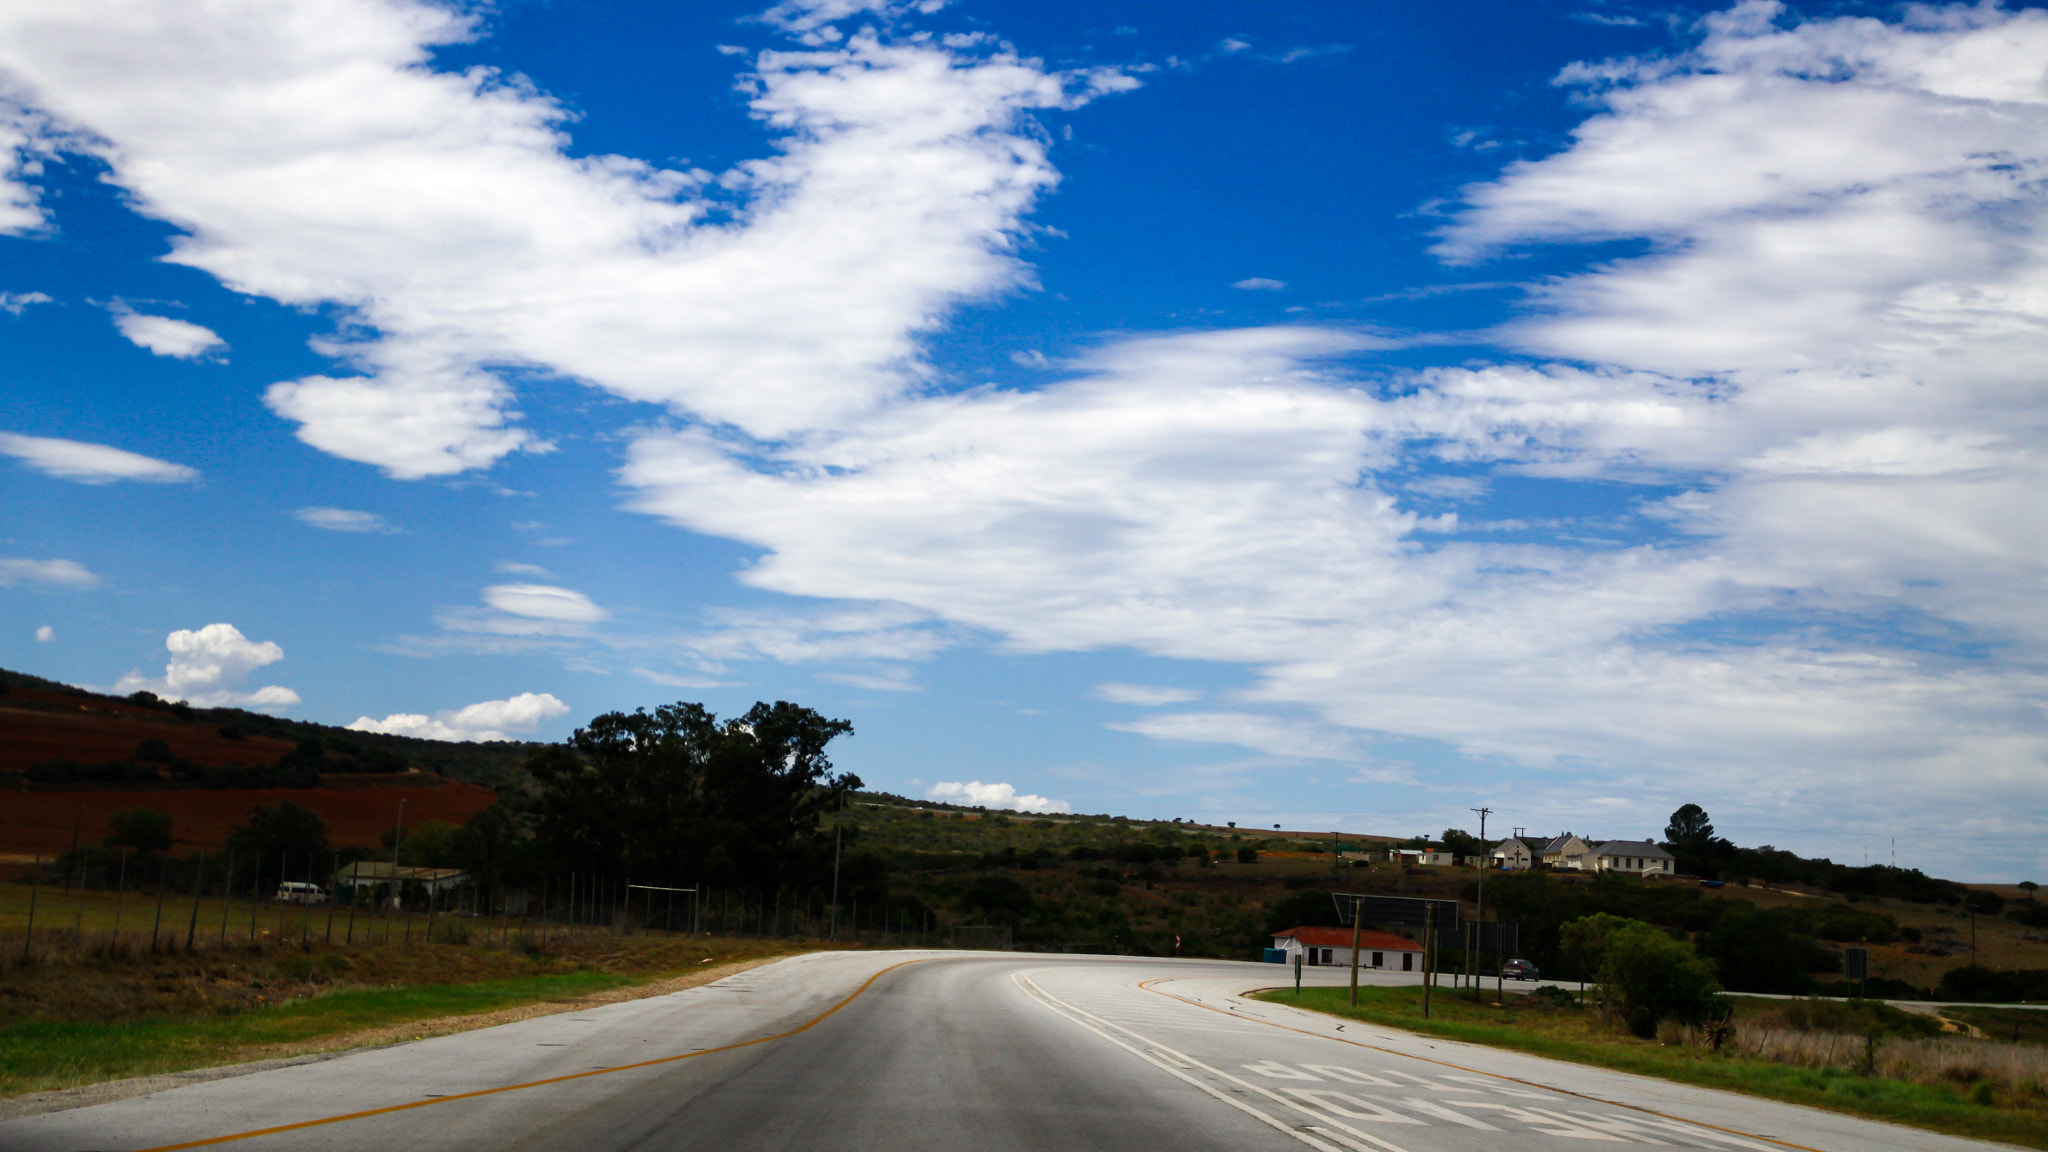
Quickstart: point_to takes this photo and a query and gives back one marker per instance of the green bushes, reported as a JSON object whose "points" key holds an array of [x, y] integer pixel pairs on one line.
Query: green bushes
{"points": [[1645, 975]]}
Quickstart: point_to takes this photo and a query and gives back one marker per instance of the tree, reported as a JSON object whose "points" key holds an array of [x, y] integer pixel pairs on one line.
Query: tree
{"points": [[1690, 836], [1645, 974], [1984, 903], [2028, 887], [485, 844], [282, 839], [1690, 830], [143, 829], [678, 795], [1463, 843]]}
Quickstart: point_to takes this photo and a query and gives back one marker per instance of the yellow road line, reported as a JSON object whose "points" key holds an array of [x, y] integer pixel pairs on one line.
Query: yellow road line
{"points": [[804, 1027], [1147, 986]]}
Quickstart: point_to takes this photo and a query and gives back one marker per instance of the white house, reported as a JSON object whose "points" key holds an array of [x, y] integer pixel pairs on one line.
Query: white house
{"points": [[1634, 858], [1514, 855], [1566, 853], [1332, 947], [1435, 854]]}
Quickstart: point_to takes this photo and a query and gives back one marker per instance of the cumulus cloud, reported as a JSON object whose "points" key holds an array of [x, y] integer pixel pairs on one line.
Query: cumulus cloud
{"points": [[323, 161], [207, 668], [168, 336], [1260, 284], [61, 573], [343, 520], [91, 463], [489, 720], [15, 303], [974, 793], [45, 634]]}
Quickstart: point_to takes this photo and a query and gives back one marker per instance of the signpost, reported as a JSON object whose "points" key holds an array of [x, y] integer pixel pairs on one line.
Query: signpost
{"points": [[1856, 965]]}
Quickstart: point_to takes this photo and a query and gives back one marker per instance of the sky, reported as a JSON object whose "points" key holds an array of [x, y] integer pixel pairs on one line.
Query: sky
{"points": [[1303, 413]]}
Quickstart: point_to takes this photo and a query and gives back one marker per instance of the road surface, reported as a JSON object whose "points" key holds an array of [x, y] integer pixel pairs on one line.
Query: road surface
{"points": [[952, 1052]]}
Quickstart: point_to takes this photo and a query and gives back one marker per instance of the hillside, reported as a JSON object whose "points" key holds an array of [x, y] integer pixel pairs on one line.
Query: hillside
{"points": [[42, 721], [1099, 882]]}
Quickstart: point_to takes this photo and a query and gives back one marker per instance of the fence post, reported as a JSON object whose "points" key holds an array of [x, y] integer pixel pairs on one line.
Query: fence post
{"points": [[28, 937]]}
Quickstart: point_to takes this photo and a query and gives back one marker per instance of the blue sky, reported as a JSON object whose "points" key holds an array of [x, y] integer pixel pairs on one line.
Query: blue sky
{"points": [[1309, 413]]}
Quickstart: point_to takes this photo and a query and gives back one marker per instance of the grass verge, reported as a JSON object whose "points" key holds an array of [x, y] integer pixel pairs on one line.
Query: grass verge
{"points": [[1564, 1032], [153, 1014]]}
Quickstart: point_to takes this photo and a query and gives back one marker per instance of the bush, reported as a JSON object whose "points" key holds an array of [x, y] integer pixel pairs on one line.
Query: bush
{"points": [[1646, 975], [1247, 855], [143, 829]]}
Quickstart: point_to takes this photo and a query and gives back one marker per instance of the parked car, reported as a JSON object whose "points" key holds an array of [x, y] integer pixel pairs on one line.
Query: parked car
{"points": [[1518, 970], [300, 892]]}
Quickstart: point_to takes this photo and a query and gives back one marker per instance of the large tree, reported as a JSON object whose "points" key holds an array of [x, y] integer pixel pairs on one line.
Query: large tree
{"points": [[285, 841], [676, 795]]}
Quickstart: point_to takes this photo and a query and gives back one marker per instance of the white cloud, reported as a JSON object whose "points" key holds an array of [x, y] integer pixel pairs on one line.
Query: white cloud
{"points": [[544, 602], [167, 336], [884, 680], [976, 794], [15, 303], [1262, 733], [343, 520], [207, 668], [45, 634], [489, 720], [90, 463], [1260, 284], [320, 159], [1146, 695], [63, 573], [516, 568]]}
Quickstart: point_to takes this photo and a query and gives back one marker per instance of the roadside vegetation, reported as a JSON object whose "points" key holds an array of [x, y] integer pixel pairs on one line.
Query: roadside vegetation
{"points": [[1861, 1057], [122, 1010]]}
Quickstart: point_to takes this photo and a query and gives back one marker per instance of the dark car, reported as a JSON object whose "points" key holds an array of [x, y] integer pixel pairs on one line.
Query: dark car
{"points": [[1518, 970]]}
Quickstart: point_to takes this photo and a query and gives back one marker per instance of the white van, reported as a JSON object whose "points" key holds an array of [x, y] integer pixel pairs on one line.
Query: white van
{"points": [[300, 892]]}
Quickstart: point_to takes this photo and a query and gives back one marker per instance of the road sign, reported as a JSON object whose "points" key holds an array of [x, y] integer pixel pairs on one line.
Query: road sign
{"points": [[1856, 963], [1400, 911]]}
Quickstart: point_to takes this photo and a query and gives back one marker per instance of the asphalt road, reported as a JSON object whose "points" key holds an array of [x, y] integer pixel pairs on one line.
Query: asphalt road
{"points": [[989, 1052]]}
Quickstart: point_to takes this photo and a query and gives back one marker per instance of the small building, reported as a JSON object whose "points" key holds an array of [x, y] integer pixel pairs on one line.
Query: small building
{"points": [[1566, 853], [1514, 855], [1331, 947], [1633, 858], [371, 873], [1435, 855]]}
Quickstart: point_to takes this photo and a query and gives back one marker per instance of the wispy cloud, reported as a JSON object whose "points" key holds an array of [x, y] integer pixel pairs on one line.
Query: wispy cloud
{"points": [[91, 463], [344, 520]]}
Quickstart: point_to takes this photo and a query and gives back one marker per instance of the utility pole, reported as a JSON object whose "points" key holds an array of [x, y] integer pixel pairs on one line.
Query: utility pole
{"points": [[1479, 916], [397, 835], [1357, 922]]}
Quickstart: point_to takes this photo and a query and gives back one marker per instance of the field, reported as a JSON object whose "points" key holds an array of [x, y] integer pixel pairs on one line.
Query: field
{"points": [[40, 725], [1866, 1061], [111, 988], [357, 812]]}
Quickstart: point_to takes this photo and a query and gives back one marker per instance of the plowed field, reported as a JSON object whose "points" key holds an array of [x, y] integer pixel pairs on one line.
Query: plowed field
{"points": [[41, 822]]}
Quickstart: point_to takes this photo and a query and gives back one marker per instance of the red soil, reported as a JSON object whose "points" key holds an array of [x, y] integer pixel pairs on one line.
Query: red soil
{"points": [[356, 812], [37, 726]]}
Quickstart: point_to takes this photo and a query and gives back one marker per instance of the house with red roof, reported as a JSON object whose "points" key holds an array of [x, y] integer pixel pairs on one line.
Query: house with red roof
{"points": [[1332, 946]]}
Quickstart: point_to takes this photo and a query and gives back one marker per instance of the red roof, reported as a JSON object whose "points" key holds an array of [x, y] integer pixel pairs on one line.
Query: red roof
{"points": [[1341, 938]]}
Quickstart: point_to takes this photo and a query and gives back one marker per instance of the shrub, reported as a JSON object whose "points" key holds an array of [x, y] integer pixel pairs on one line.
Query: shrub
{"points": [[1646, 975]]}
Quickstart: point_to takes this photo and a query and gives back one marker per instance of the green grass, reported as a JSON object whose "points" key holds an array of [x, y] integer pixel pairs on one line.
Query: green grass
{"points": [[1577, 1035], [36, 1054]]}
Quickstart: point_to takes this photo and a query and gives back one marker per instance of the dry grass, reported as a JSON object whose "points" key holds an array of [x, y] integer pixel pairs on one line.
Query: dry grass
{"points": [[2017, 1074]]}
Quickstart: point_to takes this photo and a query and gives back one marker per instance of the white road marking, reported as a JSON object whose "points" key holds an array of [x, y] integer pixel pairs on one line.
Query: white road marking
{"points": [[1099, 1026]]}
